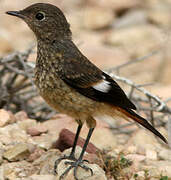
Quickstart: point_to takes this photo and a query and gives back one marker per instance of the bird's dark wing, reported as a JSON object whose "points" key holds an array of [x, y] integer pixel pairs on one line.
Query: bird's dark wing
{"points": [[91, 82]]}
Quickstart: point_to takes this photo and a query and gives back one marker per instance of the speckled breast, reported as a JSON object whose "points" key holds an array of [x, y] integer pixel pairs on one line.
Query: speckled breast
{"points": [[60, 96]]}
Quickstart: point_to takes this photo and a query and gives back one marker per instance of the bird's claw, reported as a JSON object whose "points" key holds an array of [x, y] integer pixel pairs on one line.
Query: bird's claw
{"points": [[75, 165], [60, 159]]}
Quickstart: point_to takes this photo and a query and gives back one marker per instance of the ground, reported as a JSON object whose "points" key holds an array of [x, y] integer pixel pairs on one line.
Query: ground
{"points": [[109, 33]]}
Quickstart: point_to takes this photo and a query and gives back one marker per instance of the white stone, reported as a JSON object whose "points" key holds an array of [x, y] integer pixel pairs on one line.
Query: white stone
{"points": [[42, 177], [151, 154]]}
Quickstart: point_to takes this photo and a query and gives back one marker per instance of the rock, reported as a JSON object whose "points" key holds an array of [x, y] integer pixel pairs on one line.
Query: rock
{"points": [[27, 123], [97, 51], [137, 40], [151, 154], [98, 173], [165, 154], [12, 133], [66, 140], [41, 128], [18, 135], [73, 4], [42, 177], [144, 140], [154, 172], [36, 154], [58, 122], [121, 138], [18, 170], [2, 173], [135, 157], [131, 149], [37, 130], [116, 5], [157, 168], [97, 18], [1, 156], [21, 115], [103, 138], [141, 150], [45, 163], [77, 152], [160, 17], [131, 18], [5, 139], [159, 12], [6, 117], [44, 141], [92, 158], [18, 152]]}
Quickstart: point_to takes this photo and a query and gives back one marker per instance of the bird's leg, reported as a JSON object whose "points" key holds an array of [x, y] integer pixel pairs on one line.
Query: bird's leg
{"points": [[79, 162], [72, 154]]}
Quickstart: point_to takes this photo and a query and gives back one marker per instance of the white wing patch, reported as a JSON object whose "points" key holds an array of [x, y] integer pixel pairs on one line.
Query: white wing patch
{"points": [[103, 86]]}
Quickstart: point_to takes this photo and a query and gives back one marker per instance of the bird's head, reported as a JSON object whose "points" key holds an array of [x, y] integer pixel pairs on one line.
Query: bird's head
{"points": [[46, 21]]}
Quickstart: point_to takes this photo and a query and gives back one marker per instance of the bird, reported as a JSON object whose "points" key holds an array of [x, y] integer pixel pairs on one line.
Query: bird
{"points": [[70, 83]]}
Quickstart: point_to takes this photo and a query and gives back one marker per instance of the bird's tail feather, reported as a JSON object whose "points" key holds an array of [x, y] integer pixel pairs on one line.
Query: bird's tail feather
{"points": [[131, 114]]}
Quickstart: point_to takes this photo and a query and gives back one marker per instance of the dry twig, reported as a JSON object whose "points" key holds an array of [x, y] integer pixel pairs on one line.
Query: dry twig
{"points": [[17, 91]]}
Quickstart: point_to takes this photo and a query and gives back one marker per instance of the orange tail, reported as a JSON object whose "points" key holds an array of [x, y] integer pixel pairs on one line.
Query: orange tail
{"points": [[131, 114]]}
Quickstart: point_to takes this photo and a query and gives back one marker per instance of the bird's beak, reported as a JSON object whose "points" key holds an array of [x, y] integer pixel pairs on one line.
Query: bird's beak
{"points": [[16, 13]]}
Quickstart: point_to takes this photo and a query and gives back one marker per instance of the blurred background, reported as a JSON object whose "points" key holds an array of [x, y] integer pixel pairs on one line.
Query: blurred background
{"points": [[109, 33], [130, 37]]}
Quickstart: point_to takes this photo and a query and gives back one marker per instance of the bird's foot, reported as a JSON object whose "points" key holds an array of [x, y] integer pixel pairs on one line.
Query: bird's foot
{"points": [[70, 157], [74, 165]]}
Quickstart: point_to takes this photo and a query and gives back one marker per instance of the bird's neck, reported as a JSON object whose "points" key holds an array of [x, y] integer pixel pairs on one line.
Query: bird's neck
{"points": [[49, 36], [47, 51], [44, 52]]}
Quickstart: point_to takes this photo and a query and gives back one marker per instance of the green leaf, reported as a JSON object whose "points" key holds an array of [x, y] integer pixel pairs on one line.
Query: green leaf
{"points": [[164, 178]]}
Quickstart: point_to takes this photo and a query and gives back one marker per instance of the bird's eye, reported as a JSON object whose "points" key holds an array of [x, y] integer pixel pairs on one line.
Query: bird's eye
{"points": [[40, 16]]}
